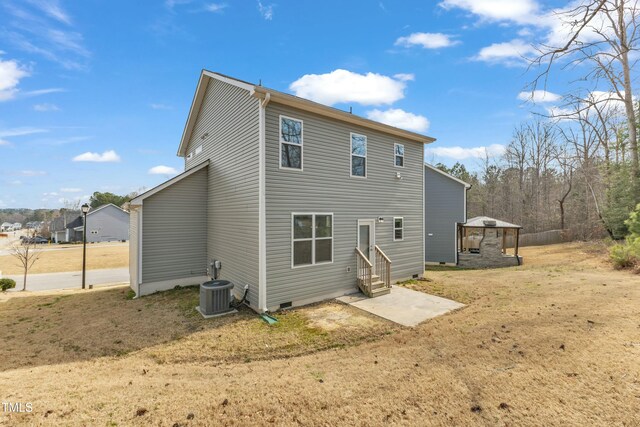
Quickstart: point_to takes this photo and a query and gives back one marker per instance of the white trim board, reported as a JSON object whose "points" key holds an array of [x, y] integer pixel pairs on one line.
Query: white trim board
{"points": [[435, 169], [137, 201]]}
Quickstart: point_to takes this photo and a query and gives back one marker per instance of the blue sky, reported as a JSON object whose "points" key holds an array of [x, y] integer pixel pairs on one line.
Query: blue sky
{"points": [[94, 94]]}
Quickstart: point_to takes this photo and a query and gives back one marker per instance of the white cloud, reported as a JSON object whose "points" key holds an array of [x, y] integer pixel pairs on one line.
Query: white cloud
{"points": [[21, 131], [215, 7], [33, 31], [266, 10], [107, 156], [462, 153], [159, 106], [520, 11], [70, 190], [163, 170], [39, 92], [539, 96], [43, 108], [11, 72], [427, 40], [341, 86], [32, 173], [4, 142], [52, 8], [16, 182], [400, 118], [512, 53], [405, 77]]}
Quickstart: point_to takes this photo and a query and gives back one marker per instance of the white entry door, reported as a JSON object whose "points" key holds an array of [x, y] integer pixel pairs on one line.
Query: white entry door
{"points": [[367, 238]]}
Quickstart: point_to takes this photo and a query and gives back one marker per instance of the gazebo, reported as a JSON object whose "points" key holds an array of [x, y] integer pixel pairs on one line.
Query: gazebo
{"points": [[483, 242]]}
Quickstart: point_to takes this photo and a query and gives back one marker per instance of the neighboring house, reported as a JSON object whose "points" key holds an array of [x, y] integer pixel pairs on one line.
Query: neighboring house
{"points": [[299, 201], [61, 227], [17, 226], [107, 223], [104, 224], [445, 206], [6, 226]]}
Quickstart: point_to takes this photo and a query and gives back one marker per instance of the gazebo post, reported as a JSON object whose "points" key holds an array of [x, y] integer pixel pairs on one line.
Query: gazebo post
{"points": [[504, 241], [517, 242]]}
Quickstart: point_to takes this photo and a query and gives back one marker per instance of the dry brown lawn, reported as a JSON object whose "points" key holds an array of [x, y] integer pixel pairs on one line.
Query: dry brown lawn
{"points": [[55, 258], [555, 342]]}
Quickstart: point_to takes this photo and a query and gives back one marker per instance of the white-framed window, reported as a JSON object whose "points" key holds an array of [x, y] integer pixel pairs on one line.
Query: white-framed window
{"points": [[358, 155], [311, 239], [291, 140], [198, 149], [398, 155], [398, 228]]}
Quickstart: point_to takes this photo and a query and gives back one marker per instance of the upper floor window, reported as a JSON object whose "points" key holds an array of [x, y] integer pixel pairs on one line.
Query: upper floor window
{"points": [[398, 150], [290, 143], [358, 155]]}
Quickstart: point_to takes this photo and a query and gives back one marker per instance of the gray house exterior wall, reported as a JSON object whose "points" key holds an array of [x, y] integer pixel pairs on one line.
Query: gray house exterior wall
{"points": [[325, 186], [174, 239], [229, 122], [444, 208], [108, 223]]}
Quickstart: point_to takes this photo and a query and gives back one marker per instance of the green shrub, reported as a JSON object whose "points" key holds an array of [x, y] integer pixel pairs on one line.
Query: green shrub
{"points": [[7, 284], [627, 254], [131, 294], [633, 223]]}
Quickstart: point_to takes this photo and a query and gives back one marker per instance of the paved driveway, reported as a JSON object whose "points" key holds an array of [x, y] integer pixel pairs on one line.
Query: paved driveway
{"points": [[72, 279]]}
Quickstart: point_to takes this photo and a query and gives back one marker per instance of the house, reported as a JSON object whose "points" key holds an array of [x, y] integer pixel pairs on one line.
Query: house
{"points": [[296, 200], [445, 206], [107, 223], [104, 224], [6, 226], [17, 226], [61, 227]]}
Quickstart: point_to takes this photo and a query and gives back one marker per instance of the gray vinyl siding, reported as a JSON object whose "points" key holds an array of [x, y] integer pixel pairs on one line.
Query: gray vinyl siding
{"points": [[174, 223], [444, 208], [133, 249], [229, 115], [325, 186], [108, 224]]}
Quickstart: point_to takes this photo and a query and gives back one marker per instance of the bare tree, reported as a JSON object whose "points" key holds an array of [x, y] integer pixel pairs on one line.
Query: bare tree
{"points": [[27, 255], [602, 34]]}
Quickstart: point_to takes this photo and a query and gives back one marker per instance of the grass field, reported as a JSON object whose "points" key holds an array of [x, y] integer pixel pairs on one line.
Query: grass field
{"points": [[58, 258], [555, 342]]}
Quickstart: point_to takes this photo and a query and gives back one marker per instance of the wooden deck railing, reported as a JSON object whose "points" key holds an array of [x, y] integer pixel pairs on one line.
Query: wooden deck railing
{"points": [[383, 267], [364, 272]]}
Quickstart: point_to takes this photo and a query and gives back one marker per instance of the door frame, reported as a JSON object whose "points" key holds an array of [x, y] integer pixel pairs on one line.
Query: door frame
{"points": [[372, 237]]}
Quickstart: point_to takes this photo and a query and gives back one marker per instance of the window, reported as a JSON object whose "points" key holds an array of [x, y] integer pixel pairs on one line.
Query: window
{"points": [[358, 155], [312, 239], [290, 143], [398, 228], [398, 150], [198, 149]]}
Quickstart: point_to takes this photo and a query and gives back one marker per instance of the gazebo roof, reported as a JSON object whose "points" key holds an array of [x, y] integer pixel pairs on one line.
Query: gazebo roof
{"points": [[486, 222]]}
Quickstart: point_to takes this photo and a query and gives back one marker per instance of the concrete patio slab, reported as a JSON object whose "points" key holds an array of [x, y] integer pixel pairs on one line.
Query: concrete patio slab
{"points": [[404, 306]]}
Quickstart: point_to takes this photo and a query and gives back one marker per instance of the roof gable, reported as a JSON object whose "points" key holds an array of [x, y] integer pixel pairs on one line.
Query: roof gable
{"points": [[261, 92]]}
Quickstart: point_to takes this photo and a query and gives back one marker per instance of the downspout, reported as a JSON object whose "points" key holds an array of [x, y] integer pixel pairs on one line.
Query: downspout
{"points": [[262, 220]]}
